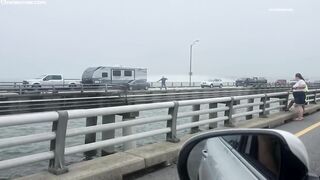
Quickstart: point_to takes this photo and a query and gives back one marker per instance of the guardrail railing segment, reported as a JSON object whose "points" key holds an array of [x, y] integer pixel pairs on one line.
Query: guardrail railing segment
{"points": [[219, 111]]}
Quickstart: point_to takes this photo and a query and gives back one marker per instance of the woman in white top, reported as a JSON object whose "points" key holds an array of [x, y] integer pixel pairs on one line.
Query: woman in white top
{"points": [[299, 95]]}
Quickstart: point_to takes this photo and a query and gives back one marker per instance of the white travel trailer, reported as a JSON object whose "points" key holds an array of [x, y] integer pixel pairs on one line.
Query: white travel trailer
{"points": [[112, 75]]}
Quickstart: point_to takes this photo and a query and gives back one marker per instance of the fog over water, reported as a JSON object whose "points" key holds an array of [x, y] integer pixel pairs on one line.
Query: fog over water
{"points": [[269, 38]]}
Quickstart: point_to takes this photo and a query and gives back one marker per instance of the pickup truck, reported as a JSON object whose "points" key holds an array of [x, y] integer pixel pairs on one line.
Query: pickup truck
{"points": [[255, 81], [51, 80]]}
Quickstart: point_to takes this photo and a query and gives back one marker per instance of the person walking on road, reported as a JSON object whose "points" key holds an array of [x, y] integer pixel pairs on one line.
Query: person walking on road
{"points": [[163, 83], [299, 95]]}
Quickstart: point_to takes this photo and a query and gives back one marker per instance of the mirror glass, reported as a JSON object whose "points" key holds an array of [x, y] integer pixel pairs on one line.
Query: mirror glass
{"points": [[237, 157]]}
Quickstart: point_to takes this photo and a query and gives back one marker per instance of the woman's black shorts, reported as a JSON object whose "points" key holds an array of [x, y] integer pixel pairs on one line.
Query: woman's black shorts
{"points": [[299, 98]]}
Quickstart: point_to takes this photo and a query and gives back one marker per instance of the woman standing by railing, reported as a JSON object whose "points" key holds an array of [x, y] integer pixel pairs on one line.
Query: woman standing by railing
{"points": [[299, 95]]}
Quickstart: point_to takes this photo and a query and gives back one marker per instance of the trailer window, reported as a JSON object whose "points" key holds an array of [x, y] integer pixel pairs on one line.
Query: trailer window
{"points": [[127, 73], [116, 73], [104, 74]]}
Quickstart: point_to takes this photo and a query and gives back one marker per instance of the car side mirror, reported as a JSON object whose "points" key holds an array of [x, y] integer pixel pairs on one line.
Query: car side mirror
{"points": [[244, 154]]}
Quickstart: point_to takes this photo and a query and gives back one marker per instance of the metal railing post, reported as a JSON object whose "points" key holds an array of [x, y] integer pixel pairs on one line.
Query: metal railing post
{"points": [[81, 88], [315, 97], [228, 113], [129, 130], [195, 118], [53, 89], [213, 115], [106, 88], [110, 134], [286, 97], [57, 165], [90, 138], [287, 100], [263, 114], [20, 90], [267, 105], [250, 109], [172, 123]]}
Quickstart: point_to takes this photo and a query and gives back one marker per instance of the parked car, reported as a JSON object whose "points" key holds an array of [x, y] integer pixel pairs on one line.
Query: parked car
{"points": [[250, 154], [139, 84], [212, 83], [51, 80]]}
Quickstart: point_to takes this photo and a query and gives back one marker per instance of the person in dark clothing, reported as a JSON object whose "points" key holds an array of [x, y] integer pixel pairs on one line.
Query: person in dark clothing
{"points": [[163, 83]]}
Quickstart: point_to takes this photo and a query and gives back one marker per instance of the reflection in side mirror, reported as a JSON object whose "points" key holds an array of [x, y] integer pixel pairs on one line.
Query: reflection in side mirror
{"points": [[239, 154], [242, 156]]}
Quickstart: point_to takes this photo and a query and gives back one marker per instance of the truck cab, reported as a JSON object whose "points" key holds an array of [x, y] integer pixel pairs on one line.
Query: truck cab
{"points": [[50, 80]]}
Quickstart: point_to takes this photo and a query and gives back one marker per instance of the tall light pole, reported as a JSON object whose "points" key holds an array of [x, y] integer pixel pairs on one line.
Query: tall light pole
{"points": [[190, 72]]}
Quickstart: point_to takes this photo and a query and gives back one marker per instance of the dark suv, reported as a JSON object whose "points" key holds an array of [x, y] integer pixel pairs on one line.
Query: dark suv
{"points": [[139, 84]]}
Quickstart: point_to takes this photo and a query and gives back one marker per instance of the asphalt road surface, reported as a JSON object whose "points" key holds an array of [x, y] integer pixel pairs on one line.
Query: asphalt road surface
{"points": [[308, 131]]}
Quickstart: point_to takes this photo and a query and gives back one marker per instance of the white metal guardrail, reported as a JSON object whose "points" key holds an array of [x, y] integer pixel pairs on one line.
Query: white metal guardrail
{"points": [[20, 88], [57, 150]]}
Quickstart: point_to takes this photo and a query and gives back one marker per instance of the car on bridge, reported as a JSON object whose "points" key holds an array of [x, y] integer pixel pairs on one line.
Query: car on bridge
{"points": [[212, 83], [281, 82], [139, 84], [255, 82], [51, 80]]}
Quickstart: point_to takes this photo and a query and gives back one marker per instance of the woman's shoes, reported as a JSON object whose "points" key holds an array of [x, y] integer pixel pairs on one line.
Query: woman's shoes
{"points": [[299, 119]]}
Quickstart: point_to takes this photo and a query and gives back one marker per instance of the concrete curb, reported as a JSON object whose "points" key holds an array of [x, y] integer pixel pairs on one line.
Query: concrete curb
{"points": [[114, 166]]}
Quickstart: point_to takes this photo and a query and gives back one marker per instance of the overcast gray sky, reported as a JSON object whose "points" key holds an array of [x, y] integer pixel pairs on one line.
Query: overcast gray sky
{"points": [[271, 38]]}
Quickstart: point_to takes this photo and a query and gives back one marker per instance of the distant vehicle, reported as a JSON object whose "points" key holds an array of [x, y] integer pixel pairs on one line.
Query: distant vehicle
{"points": [[113, 75], [51, 80], [292, 82], [212, 83], [139, 84], [241, 81], [255, 81], [281, 82]]}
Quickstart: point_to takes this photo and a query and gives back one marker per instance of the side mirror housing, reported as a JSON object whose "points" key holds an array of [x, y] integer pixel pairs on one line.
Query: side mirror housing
{"points": [[244, 154]]}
